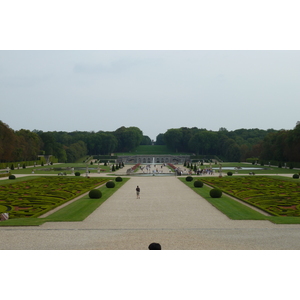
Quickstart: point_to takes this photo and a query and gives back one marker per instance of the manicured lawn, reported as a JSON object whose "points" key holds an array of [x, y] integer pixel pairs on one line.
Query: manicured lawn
{"points": [[75, 211], [276, 196], [233, 209], [236, 210], [32, 198], [64, 168], [82, 208], [259, 170]]}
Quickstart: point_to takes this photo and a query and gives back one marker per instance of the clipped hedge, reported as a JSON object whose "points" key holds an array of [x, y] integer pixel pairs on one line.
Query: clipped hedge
{"points": [[215, 193], [32, 198], [296, 176], [95, 194], [4, 175], [229, 173], [189, 178], [119, 179], [198, 183], [110, 184], [12, 177], [3, 209], [278, 197], [77, 173]]}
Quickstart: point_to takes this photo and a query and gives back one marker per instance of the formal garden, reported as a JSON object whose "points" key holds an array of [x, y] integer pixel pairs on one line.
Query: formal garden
{"points": [[26, 199], [276, 198]]}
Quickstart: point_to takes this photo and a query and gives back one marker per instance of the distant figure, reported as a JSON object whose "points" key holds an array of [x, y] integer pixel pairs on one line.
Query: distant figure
{"points": [[154, 246], [138, 190]]}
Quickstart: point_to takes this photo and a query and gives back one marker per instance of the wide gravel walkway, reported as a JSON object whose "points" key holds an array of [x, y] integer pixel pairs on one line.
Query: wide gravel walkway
{"points": [[168, 212]]}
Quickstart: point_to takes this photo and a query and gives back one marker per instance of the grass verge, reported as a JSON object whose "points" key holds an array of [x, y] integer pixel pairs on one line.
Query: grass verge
{"points": [[236, 210], [74, 212]]}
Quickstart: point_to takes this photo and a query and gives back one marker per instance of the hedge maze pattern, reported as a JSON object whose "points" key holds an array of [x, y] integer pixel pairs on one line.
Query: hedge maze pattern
{"points": [[275, 196], [35, 197]]}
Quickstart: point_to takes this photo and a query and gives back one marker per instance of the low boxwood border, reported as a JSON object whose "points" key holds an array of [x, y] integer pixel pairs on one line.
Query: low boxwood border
{"points": [[235, 210], [74, 212]]}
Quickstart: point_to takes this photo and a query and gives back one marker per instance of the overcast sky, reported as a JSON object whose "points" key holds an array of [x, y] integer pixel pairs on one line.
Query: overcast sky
{"points": [[153, 90], [245, 86]]}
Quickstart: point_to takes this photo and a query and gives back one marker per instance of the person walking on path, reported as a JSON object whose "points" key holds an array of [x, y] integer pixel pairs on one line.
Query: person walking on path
{"points": [[138, 190]]}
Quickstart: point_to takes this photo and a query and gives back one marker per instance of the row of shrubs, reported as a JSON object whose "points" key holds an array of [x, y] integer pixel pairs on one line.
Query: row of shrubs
{"points": [[214, 193], [4, 175], [96, 194], [295, 176], [275, 196], [37, 196], [280, 164]]}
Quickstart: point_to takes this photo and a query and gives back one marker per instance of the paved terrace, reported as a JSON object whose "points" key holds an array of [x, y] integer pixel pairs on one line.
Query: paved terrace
{"points": [[168, 213]]}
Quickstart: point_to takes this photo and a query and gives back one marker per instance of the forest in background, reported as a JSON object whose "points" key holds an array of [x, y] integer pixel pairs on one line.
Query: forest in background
{"points": [[237, 145]]}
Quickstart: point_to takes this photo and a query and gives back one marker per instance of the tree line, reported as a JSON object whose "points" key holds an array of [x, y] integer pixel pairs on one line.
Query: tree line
{"points": [[237, 145], [66, 146], [281, 146]]}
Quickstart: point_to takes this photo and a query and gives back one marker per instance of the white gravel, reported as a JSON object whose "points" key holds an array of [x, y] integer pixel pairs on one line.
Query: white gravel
{"points": [[168, 213]]}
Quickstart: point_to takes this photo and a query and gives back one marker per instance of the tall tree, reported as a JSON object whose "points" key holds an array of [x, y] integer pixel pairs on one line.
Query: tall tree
{"points": [[128, 138], [29, 144], [173, 139], [7, 143], [160, 139]]}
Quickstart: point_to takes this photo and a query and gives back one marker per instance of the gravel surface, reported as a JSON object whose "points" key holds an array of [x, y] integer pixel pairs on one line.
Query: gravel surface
{"points": [[168, 212]]}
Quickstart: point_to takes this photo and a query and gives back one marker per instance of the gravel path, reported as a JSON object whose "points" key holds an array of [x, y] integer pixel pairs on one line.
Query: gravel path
{"points": [[168, 212]]}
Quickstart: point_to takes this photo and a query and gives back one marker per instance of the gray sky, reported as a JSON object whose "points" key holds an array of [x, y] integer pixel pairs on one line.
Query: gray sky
{"points": [[185, 71], [153, 90]]}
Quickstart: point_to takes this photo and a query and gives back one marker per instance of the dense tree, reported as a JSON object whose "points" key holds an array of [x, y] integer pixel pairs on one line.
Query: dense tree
{"points": [[281, 146], [267, 145], [146, 140], [160, 140], [28, 145], [110, 143], [7, 142], [173, 139], [76, 151], [128, 138]]}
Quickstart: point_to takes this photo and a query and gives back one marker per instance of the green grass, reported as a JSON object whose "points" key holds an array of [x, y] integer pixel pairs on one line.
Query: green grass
{"points": [[74, 212], [236, 210], [279, 197], [267, 170], [18, 179], [35, 197], [231, 208], [43, 170], [82, 208]]}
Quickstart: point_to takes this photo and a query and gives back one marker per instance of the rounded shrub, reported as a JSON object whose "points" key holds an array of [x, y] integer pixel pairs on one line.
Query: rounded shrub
{"points": [[189, 178], [296, 176], [119, 179], [77, 173], [198, 183], [12, 177], [3, 209], [229, 173], [215, 193], [95, 194], [110, 184]]}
